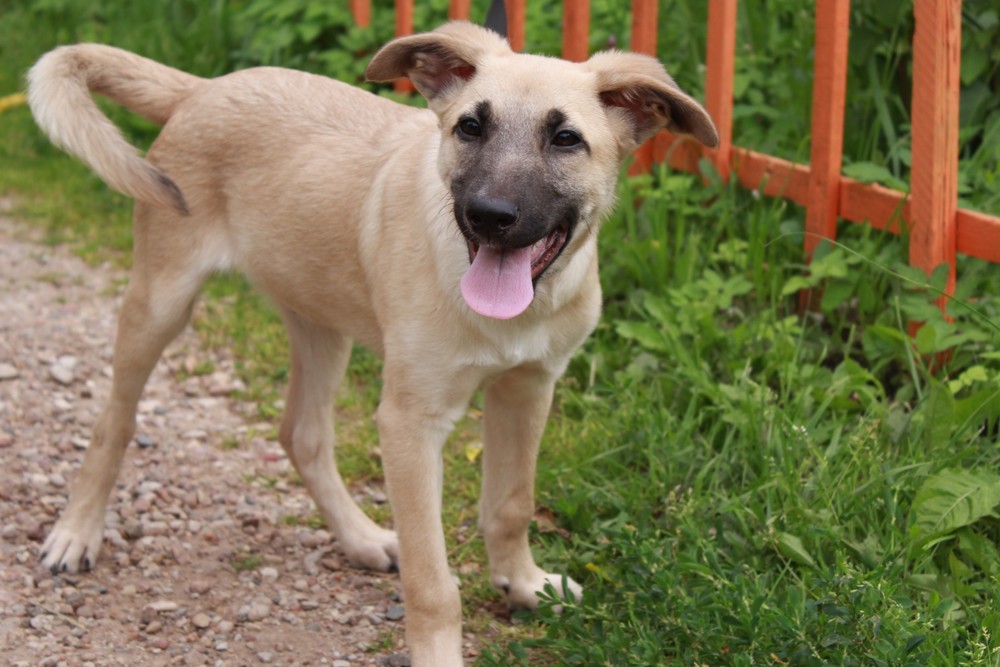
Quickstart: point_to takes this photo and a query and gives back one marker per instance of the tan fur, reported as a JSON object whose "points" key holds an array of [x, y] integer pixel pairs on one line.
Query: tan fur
{"points": [[336, 204]]}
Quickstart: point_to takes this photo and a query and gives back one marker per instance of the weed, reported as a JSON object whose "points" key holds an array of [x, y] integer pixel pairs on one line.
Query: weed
{"points": [[385, 642], [247, 563]]}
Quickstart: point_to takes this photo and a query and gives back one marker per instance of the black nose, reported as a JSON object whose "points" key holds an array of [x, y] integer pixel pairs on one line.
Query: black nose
{"points": [[489, 216]]}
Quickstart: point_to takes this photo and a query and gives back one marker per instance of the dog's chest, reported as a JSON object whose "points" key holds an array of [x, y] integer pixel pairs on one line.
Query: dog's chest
{"points": [[499, 350]]}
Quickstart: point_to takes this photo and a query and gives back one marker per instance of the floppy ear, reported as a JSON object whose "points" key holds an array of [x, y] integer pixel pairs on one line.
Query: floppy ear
{"points": [[638, 86], [437, 62]]}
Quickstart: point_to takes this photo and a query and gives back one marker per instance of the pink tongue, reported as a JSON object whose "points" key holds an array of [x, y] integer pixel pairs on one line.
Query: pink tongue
{"points": [[498, 284]]}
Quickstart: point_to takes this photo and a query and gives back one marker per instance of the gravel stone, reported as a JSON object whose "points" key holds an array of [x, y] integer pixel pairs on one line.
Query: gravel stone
{"points": [[64, 375], [257, 610], [211, 505], [201, 621]]}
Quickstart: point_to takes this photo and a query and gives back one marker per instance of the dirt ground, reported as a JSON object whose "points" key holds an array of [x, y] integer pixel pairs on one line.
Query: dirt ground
{"points": [[200, 564]]}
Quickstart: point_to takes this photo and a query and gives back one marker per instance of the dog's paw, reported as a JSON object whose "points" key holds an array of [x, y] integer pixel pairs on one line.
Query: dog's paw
{"points": [[523, 593], [71, 549], [374, 548]]}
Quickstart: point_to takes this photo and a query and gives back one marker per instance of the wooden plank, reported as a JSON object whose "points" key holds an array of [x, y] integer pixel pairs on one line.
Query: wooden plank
{"points": [[772, 176], [873, 204], [978, 235], [644, 18], [934, 115], [682, 153], [515, 23], [827, 131], [362, 11], [458, 10], [720, 61], [576, 30]]}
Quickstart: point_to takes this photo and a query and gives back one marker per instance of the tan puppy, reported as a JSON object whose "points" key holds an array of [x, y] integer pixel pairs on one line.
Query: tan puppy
{"points": [[458, 242]]}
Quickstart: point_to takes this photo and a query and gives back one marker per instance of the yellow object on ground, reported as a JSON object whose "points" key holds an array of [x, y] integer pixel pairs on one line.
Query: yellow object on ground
{"points": [[11, 101]]}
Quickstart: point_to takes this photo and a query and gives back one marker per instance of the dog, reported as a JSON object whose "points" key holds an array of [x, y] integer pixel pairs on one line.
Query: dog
{"points": [[459, 242]]}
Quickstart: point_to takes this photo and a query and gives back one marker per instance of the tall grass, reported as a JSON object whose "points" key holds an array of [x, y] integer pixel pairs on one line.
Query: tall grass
{"points": [[734, 483]]}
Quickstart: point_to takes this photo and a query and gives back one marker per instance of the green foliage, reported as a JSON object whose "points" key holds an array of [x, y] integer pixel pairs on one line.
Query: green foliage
{"points": [[757, 486], [733, 482], [311, 35], [950, 501]]}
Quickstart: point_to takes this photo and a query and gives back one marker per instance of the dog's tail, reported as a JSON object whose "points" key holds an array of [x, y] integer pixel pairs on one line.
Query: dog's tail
{"points": [[59, 87]]}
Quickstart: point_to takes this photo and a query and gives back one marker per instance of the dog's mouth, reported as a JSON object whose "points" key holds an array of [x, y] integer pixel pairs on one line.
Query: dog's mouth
{"points": [[500, 282], [543, 251]]}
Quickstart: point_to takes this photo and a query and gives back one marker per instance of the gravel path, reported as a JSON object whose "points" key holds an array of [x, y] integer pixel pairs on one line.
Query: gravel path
{"points": [[200, 565]]}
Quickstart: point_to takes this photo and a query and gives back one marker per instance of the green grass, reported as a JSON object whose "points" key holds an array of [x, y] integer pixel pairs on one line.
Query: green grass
{"points": [[733, 483]]}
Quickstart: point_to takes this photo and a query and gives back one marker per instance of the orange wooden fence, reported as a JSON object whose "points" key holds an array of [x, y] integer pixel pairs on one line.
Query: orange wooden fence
{"points": [[938, 229]]}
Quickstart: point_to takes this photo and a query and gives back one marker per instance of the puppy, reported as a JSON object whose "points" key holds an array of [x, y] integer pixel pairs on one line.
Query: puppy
{"points": [[458, 242]]}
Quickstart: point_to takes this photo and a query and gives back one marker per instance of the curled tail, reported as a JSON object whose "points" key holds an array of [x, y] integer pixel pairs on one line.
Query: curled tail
{"points": [[59, 87]]}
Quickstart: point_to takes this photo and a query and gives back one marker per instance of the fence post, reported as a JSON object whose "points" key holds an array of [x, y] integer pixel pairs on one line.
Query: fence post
{"points": [[404, 26], [720, 63], [362, 11], [644, 18], [937, 53], [458, 10], [576, 29], [515, 23], [827, 131]]}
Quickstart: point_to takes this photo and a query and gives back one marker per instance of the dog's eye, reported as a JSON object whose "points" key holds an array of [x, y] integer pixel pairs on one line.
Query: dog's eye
{"points": [[470, 127], [566, 138]]}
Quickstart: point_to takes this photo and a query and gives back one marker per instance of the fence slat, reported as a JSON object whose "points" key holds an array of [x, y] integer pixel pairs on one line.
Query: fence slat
{"points": [[515, 23], [873, 204], [458, 10], [978, 235], [680, 153], [404, 17], [576, 30], [362, 12], [404, 26], [937, 54], [827, 131], [772, 176], [644, 18], [720, 62]]}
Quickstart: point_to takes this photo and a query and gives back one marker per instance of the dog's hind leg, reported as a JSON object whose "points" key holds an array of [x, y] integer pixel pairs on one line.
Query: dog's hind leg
{"points": [[156, 308], [319, 359], [514, 416]]}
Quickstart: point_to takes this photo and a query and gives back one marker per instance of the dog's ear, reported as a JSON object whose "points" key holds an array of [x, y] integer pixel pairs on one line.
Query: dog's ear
{"points": [[641, 89], [437, 62]]}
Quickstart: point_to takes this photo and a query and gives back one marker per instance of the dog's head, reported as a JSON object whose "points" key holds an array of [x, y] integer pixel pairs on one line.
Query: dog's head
{"points": [[531, 146]]}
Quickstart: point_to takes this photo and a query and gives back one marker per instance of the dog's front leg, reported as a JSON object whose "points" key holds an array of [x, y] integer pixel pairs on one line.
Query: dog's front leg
{"points": [[517, 407], [412, 431]]}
